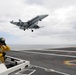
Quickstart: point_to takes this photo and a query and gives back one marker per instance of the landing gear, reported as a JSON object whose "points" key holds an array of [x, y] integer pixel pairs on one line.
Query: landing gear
{"points": [[24, 29], [32, 30]]}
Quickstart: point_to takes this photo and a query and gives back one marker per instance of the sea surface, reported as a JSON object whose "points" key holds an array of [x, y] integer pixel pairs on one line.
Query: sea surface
{"points": [[33, 47]]}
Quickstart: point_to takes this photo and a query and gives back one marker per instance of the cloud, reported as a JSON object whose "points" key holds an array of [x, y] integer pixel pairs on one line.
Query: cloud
{"points": [[38, 2], [59, 26], [55, 4], [61, 20], [17, 9]]}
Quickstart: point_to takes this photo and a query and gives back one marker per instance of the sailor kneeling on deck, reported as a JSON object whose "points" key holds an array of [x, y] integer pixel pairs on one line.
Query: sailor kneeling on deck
{"points": [[3, 49]]}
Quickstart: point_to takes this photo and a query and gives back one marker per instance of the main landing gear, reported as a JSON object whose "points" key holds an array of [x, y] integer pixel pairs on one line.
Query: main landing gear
{"points": [[32, 30], [24, 29]]}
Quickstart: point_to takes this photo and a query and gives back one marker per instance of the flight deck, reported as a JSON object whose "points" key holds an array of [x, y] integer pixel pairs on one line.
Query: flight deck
{"points": [[35, 70], [47, 62], [16, 66]]}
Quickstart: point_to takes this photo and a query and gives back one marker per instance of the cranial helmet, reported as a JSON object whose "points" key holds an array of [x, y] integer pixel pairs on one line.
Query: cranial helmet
{"points": [[2, 40]]}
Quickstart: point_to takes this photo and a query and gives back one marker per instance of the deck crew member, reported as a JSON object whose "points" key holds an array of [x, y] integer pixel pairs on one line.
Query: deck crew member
{"points": [[3, 49]]}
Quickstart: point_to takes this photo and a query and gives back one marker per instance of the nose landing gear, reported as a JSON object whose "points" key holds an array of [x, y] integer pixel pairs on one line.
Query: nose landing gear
{"points": [[24, 29]]}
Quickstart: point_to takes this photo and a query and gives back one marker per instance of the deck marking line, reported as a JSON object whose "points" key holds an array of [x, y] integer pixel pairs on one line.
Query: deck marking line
{"points": [[50, 54], [32, 72], [51, 70], [70, 62], [53, 50], [19, 72]]}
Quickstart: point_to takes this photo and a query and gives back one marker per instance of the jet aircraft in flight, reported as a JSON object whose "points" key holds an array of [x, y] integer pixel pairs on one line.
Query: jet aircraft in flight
{"points": [[31, 24]]}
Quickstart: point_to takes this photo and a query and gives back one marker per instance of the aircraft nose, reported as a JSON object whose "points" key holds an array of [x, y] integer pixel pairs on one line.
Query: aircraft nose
{"points": [[46, 15], [43, 16]]}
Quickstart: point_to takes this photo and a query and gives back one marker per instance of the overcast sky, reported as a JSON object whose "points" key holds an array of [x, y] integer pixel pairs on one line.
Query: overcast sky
{"points": [[59, 26]]}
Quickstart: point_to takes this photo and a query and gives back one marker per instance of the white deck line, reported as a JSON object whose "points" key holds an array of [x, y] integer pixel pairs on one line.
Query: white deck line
{"points": [[19, 72], [50, 54], [54, 50], [59, 72], [52, 70], [32, 72]]}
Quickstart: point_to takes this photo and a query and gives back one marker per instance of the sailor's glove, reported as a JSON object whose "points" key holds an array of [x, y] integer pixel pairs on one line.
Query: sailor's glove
{"points": [[4, 44], [4, 54]]}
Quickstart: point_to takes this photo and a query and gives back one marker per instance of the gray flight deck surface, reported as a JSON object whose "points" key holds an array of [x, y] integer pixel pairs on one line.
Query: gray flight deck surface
{"points": [[51, 62]]}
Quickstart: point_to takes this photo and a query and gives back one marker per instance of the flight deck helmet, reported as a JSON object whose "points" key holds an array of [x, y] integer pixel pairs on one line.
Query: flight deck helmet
{"points": [[2, 41]]}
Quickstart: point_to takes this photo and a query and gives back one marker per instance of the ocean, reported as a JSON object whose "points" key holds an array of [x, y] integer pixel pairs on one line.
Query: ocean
{"points": [[33, 47]]}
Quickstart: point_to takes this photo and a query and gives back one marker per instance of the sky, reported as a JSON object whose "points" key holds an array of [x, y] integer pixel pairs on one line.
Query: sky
{"points": [[59, 26]]}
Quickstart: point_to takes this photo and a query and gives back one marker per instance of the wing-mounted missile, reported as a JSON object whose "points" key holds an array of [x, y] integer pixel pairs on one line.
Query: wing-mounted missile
{"points": [[42, 17], [35, 26], [12, 22]]}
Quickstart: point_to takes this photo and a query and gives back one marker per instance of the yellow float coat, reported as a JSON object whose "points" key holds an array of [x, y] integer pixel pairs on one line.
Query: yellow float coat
{"points": [[3, 48]]}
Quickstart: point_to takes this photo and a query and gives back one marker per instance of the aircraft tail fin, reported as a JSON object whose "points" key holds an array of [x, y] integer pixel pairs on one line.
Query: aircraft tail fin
{"points": [[20, 20]]}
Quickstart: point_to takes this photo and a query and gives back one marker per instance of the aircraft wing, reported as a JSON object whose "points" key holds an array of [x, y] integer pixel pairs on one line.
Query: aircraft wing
{"points": [[20, 23], [36, 19], [15, 23]]}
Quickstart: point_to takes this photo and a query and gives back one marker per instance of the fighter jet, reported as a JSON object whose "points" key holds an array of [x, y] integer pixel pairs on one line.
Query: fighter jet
{"points": [[31, 24]]}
